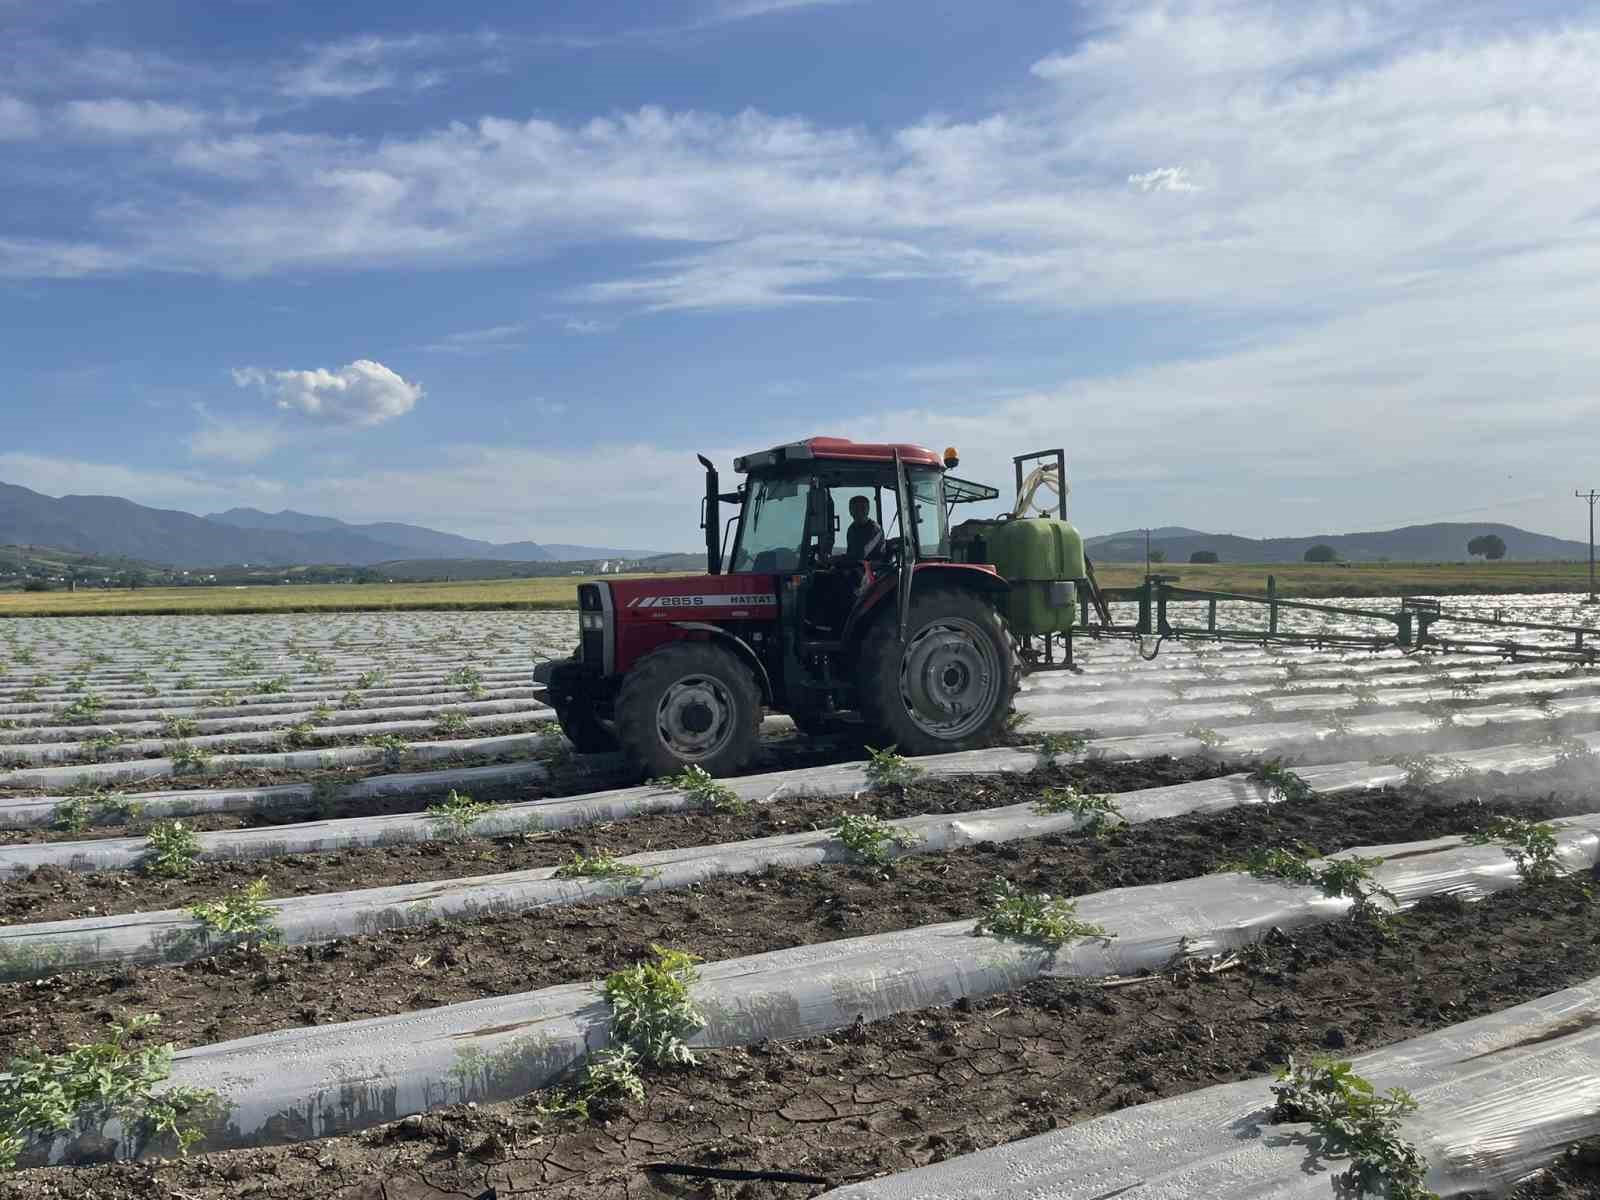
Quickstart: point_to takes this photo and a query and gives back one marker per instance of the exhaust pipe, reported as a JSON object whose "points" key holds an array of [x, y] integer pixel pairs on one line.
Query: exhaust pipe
{"points": [[711, 518]]}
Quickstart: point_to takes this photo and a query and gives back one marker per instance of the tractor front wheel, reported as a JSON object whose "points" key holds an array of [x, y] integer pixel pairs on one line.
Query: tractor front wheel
{"points": [[689, 704], [950, 685], [583, 729]]}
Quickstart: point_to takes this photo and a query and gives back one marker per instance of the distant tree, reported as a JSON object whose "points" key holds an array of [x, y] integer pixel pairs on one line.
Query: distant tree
{"points": [[1158, 556], [1203, 556], [1490, 545], [36, 585], [1322, 553]]}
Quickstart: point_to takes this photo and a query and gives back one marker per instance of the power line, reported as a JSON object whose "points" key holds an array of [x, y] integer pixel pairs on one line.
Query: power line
{"points": [[1591, 496]]}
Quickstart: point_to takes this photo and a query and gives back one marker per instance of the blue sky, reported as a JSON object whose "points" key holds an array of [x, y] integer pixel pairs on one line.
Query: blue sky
{"points": [[1264, 268]]}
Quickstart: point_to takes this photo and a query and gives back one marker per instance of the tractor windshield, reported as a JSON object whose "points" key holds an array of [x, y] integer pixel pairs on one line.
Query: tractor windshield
{"points": [[773, 531]]}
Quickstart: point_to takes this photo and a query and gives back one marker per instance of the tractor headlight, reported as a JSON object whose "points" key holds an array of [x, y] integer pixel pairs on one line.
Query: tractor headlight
{"points": [[592, 621]]}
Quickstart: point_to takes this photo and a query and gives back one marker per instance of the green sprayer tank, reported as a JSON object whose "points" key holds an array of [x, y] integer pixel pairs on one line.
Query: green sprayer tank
{"points": [[1040, 557]]}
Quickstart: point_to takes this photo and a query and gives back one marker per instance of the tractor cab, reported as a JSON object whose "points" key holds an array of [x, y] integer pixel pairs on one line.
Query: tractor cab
{"points": [[794, 519]]}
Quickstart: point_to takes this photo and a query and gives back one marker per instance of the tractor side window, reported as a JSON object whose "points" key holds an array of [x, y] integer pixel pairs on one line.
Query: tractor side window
{"points": [[928, 510], [774, 527]]}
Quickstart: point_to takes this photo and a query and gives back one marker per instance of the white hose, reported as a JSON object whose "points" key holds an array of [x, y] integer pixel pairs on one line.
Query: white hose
{"points": [[1040, 477]]}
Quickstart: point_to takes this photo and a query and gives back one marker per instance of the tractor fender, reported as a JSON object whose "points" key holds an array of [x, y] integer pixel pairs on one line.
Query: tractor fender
{"points": [[741, 648], [978, 576]]}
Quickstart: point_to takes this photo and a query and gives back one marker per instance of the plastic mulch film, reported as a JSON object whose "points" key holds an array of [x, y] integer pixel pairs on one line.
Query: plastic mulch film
{"points": [[319, 1081], [173, 936], [1499, 1097]]}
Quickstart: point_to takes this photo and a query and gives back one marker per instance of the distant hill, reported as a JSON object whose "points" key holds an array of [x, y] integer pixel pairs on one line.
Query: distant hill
{"points": [[1440, 542], [18, 563], [114, 527]]}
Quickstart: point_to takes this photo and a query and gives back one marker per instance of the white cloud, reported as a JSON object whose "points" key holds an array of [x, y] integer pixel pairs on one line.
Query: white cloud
{"points": [[121, 118], [161, 489], [583, 328], [358, 66], [42, 258], [1164, 179], [1329, 156], [18, 119], [227, 442], [739, 10], [765, 272], [478, 341], [361, 393]]}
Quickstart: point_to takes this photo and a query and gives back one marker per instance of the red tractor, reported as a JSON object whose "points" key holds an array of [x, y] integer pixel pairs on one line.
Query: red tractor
{"points": [[912, 635]]}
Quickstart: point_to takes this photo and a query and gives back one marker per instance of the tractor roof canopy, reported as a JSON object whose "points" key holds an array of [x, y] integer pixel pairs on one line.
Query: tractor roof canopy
{"points": [[839, 450]]}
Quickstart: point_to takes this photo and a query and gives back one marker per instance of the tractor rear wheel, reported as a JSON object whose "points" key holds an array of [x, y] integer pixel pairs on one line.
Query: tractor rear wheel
{"points": [[689, 704], [950, 686]]}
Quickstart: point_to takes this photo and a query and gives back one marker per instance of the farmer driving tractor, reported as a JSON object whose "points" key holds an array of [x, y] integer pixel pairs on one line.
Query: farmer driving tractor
{"points": [[864, 538]]}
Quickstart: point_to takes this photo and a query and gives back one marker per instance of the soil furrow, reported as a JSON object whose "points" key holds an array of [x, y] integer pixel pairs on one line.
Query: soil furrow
{"points": [[233, 995], [50, 893], [927, 1085]]}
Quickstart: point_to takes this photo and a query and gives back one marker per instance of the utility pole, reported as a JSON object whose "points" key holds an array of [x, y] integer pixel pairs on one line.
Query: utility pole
{"points": [[1591, 496]]}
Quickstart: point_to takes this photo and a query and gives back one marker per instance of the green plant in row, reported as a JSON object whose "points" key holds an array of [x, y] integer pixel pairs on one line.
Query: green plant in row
{"points": [[1062, 745], [243, 914], [179, 728], [1350, 877], [392, 744], [88, 802], [464, 677], [301, 734], [1352, 1119], [186, 756], [1531, 845], [171, 850], [1282, 783], [450, 723], [652, 1014], [47, 1094], [1094, 810], [101, 745], [453, 818], [1424, 770], [706, 790], [651, 1010], [870, 838], [1568, 749], [1209, 739], [1011, 912], [889, 770], [84, 708], [600, 865]]}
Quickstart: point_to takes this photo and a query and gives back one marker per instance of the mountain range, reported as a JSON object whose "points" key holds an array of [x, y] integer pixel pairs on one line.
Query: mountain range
{"points": [[109, 525], [1439, 542]]}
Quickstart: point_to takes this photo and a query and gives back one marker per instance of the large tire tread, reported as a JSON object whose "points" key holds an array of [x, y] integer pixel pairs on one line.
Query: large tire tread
{"points": [[879, 672], [653, 674]]}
